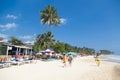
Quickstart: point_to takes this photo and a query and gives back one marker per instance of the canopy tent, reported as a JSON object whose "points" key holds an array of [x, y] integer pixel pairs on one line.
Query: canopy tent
{"points": [[47, 51]]}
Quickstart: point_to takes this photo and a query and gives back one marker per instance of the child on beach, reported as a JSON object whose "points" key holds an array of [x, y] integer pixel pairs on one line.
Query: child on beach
{"points": [[97, 59]]}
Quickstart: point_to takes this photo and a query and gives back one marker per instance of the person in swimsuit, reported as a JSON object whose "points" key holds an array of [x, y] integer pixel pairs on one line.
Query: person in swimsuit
{"points": [[97, 59]]}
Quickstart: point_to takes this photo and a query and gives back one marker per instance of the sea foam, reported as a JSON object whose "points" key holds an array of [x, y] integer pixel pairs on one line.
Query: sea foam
{"points": [[113, 58]]}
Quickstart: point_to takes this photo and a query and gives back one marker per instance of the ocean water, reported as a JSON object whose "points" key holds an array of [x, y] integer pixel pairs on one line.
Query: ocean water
{"points": [[113, 58]]}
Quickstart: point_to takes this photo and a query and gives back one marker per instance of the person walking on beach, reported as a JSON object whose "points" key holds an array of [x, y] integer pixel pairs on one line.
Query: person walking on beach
{"points": [[64, 58], [97, 59], [70, 58]]}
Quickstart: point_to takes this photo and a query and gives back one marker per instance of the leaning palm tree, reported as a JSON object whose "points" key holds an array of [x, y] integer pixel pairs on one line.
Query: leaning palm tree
{"points": [[50, 16]]}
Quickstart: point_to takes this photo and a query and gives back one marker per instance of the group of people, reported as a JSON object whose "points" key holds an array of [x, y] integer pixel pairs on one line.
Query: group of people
{"points": [[66, 58], [69, 58]]}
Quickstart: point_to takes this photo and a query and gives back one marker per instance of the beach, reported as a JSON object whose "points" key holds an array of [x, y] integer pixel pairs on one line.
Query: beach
{"points": [[82, 68]]}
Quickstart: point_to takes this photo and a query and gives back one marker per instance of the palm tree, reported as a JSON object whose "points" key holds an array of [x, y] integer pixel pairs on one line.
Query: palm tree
{"points": [[44, 41], [50, 16], [39, 43], [14, 41], [49, 39]]}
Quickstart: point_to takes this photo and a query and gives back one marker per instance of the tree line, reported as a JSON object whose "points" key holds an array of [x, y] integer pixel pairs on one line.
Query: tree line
{"points": [[46, 40]]}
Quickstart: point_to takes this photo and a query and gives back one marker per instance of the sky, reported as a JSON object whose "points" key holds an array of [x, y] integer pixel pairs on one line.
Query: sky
{"points": [[84, 23]]}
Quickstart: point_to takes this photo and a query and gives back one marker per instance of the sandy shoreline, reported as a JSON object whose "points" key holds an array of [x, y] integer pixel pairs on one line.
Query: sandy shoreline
{"points": [[83, 68]]}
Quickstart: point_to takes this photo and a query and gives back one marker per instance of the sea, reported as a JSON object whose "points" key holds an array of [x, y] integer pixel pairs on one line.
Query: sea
{"points": [[112, 58]]}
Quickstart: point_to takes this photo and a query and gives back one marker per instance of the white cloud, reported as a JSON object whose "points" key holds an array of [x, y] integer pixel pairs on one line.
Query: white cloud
{"points": [[34, 34], [7, 26], [26, 37], [5, 40], [31, 42], [63, 21], [4, 36], [11, 16]]}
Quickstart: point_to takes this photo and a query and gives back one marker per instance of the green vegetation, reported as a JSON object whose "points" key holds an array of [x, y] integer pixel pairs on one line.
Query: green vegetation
{"points": [[105, 52], [59, 47], [15, 41], [50, 16], [2, 49], [46, 40]]}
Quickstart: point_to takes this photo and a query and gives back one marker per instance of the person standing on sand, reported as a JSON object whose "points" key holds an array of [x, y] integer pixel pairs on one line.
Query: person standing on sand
{"points": [[16, 57], [64, 58], [70, 58], [97, 59]]}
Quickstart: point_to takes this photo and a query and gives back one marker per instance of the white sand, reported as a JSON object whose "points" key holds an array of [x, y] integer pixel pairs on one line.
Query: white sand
{"points": [[83, 68]]}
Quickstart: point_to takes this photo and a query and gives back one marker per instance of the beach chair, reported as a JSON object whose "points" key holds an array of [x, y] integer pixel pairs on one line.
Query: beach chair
{"points": [[24, 61], [13, 61], [27, 61], [1, 65], [4, 65], [32, 59], [16, 63]]}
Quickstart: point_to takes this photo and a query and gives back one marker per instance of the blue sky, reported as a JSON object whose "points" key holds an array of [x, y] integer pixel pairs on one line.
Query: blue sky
{"points": [[85, 23]]}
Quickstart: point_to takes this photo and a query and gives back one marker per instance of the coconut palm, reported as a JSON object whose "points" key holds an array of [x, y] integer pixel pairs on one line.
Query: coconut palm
{"points": [[14, 41], [49, 39], [44, 41], [50, 16]]}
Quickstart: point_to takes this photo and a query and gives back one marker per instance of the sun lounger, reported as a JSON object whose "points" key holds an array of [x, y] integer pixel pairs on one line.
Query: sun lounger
{"points": [[7, 64], [4, 64], [26, 61], [1, 65], [16, 62]]}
